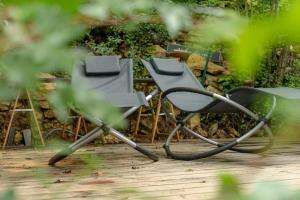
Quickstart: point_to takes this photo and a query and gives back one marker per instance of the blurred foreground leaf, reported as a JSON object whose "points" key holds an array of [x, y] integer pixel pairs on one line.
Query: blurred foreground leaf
{"points": [[249, 40], [88, 102], [8, 195], [230, 190]]}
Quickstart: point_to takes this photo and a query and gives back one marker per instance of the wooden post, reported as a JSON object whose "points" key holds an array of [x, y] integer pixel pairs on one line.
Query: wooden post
{"points": [[84, 125], [35, 117], [77, 127], [138, 120], [11, 118], [64, 130], [14, 110], [154, 130]]}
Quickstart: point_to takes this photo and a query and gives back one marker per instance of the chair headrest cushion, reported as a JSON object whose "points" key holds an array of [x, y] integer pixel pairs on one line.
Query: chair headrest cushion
{"points": [[102, 65], [170, 67]]}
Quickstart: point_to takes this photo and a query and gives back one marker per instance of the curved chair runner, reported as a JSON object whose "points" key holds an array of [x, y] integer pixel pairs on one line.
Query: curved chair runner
{"points": [[113, 78], [179, 86]]}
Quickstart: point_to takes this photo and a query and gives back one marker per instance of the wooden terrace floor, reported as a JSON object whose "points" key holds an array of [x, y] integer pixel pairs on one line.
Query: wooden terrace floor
{"points": [[118, 172]]}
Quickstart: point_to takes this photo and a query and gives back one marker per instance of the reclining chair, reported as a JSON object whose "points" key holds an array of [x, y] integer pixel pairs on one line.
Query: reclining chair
{"points": [[113, 77], [180, 87]]}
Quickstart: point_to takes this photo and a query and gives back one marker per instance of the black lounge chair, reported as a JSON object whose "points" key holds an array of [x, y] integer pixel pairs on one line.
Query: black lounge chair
{"points": [[180, 87], [113, 77]]}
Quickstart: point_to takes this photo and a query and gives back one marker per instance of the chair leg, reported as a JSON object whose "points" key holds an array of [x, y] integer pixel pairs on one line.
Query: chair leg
{"points": [[77, 128], [156, 119], [64, 130], [35, 117], [84, 125], [138, 120], [11, 119], [93, 135], [173, 112], [221, 147], [96, 132]]}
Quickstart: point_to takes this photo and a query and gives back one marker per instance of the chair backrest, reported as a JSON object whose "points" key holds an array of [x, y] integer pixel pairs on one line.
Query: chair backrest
{"points": [[121, 82], [183, 100], [116, 84]]}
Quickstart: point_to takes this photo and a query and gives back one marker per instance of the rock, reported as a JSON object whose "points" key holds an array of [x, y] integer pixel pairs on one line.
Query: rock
{"points": [[182, 55], [110, 139], [44, 104], [232, 132], [213, 89], [39, 115], [197, 62], [194, 121], [48, 86], [40, 97], [18, 137], [217, 86], [147, 122], [46, 76], [210, 79], [213, 128], [202, 131], [158, 51], [197, 72], [221, 134], [49, 114], [4, 106]]}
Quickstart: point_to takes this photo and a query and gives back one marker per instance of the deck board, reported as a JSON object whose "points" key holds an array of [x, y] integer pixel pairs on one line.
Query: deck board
{"points": [[118, 172]]}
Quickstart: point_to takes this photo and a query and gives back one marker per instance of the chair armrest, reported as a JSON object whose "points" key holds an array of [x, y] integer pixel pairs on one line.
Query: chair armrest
{"points": [[186, 89]]}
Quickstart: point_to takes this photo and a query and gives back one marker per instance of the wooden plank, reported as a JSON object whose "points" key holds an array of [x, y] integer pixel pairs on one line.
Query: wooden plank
{"points": [[123, 168]]}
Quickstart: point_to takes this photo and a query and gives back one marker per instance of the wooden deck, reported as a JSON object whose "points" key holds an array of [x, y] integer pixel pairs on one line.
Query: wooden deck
{"points": [[118, 172]]}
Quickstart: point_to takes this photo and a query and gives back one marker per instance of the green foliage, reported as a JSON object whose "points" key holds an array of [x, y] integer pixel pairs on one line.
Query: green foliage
{"points": [[78, 99], [229, 81], [8, 195], [250, 41], [176, 17], [134, 43], [230, 190], [65, 5]]}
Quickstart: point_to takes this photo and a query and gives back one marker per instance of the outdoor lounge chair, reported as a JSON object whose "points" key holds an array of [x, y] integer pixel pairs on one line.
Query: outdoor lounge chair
{"points": [[180, 87], [112, 77]]}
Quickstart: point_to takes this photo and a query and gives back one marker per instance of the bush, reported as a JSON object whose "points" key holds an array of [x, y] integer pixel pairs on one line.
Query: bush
{"points": [[127, 41]]}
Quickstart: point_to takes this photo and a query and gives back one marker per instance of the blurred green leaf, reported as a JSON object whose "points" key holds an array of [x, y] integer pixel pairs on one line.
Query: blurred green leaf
{"points": [[249, 41], [8, 195], [175, 17], [229, 189], [88, 102], [66, 5]]}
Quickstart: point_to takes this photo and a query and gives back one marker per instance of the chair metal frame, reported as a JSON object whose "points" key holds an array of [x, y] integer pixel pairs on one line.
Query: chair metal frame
{"points": [[99, 130], [220, 147]]}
